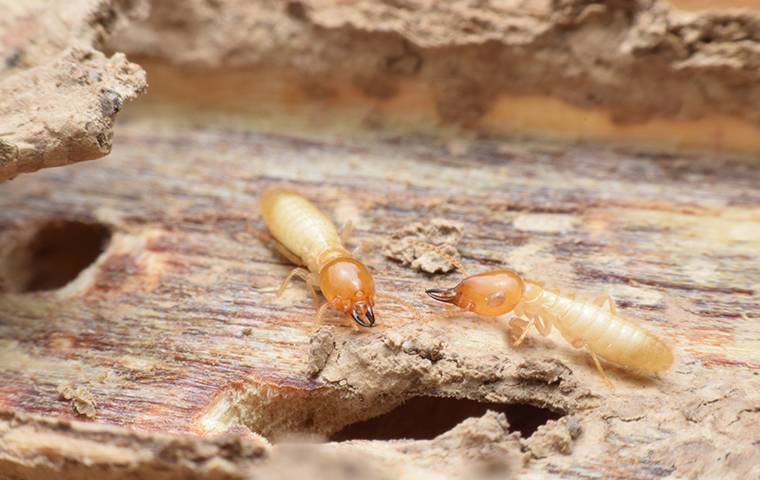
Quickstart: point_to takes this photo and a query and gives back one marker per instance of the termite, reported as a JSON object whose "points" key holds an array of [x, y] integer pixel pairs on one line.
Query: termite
{"points": [[308, 238], [593, 325]]}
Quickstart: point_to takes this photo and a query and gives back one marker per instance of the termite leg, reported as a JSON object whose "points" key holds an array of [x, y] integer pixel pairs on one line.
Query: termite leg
{"points": [[320, 314], [517, 326], [600, 300], [543, 326], [402, 303], [303, 274], [345, 234], [599, 368], [281, 249], [524, 333], [346, 231]]}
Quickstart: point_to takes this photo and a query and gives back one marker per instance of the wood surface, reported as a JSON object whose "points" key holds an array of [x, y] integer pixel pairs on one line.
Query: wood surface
{"points": [[175, 328]]}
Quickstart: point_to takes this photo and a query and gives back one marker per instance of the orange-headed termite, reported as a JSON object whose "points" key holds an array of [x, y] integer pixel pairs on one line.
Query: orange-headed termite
{"points": [[307, 237], [593, 325]]}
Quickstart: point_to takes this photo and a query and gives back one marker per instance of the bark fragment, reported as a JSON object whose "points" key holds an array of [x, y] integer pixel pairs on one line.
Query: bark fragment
{"points": [[59, 94], [404, 245]]}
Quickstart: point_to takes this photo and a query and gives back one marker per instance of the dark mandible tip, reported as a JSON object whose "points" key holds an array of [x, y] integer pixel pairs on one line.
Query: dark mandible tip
{"points": [[370, 316], [360, 321], [446, 295]]}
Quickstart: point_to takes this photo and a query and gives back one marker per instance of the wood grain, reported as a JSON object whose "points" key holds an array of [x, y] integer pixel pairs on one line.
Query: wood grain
{"points": [[178, 311]]}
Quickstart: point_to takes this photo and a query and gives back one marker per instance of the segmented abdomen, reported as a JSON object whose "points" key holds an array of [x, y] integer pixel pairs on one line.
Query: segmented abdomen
{"points": [[296, 223], [609, 336]]}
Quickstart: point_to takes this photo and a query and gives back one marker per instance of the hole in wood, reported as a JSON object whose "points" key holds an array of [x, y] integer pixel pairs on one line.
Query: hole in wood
{"points": [[53, 255], [424, 418]]}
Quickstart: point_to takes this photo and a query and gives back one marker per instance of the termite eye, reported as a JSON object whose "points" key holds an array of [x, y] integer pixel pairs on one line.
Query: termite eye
{"points": [[495, 299]]}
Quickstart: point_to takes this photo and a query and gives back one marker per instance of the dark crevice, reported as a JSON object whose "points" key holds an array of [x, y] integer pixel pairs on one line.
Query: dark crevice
{"points": [[53, 255], [424, 418]]}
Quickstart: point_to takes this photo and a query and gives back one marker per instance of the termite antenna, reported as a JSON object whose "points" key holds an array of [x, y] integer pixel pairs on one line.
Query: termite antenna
{"points": [[441, 253], [400, 302]]}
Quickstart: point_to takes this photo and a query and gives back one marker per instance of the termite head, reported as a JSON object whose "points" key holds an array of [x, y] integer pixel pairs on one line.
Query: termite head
{"points": [[489, 293], [347, 285]]}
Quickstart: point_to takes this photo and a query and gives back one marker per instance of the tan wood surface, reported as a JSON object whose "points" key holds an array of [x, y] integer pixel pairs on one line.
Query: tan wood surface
{"points": [[175, 328]]}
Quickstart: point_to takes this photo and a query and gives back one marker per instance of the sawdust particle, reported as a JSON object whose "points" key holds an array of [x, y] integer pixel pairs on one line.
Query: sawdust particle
{"points": [[442, 233], [321, 345], [480, 445], [81, 399], [545, 370], [556, 436]]}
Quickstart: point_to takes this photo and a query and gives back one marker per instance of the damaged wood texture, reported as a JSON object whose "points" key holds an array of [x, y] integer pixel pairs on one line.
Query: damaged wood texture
{"points": [[175, 327], [58, 93], [476, 63], [39, 448]]}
